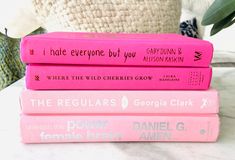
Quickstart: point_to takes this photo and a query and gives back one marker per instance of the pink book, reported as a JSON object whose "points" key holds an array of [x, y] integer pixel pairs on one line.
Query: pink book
{"points": [[116, 78], [55, 129], [116, 49], [108, 78], [119, 102]]}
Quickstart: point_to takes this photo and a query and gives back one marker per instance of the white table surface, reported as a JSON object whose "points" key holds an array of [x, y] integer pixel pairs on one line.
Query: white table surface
{"points": [[12, 149]]}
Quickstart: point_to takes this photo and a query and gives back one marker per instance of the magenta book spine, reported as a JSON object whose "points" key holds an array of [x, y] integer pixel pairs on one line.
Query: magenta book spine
{"points": [[116, 78], [116, 49], [119, 102], [59, 129]]}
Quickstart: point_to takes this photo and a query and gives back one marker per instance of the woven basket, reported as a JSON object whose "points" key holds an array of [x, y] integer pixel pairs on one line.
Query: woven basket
{"points": [[139, 16]]}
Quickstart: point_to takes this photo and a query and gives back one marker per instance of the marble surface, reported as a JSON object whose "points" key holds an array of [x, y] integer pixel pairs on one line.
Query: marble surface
{"points": [[12, 149]]}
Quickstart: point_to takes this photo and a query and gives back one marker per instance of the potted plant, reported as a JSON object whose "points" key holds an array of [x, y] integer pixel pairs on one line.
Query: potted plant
{"points": [[221, 14]]}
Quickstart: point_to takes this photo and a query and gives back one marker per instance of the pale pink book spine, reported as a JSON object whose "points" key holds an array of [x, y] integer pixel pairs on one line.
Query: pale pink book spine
{"points": [[132, 78], [116, 49], [59, 129], [119, 102]]}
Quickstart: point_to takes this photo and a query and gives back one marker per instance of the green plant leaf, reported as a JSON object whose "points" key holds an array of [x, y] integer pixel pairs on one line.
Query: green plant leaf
{"points": [[219, 10], [224, 23], [229, 24]]}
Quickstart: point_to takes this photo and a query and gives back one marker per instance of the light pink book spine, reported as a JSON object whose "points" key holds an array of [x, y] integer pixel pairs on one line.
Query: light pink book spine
{"points": [[58, 129], [132, 78], [119, 102], [116, 49]]}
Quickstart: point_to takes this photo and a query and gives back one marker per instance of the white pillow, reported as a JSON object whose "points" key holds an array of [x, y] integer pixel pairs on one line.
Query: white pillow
{"points": [[195, 8]]}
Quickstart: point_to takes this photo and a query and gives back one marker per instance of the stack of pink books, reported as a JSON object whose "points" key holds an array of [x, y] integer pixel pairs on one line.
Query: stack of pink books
{"points": [[103, 87]]}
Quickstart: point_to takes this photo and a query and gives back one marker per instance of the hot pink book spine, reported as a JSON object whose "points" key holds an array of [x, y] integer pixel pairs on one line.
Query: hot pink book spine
{"points": [[119, 102], [108, 78], [58, 129], [116, 49]]}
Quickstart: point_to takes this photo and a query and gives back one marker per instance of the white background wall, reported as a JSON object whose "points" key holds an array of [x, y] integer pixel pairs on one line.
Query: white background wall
{"points": [[224, 40]]}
